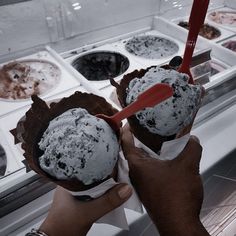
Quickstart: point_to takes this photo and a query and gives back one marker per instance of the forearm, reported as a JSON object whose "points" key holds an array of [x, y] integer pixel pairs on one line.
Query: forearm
{"points": [[170, 229]]}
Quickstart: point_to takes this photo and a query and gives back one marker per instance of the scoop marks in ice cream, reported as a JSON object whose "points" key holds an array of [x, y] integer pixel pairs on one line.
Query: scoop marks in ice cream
{"points": [[175, 113], [151, 47], [78, 145]]}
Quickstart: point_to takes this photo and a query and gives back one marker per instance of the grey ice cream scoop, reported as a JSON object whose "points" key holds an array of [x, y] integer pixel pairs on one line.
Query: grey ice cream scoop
{"points": [[79, 145], [175, 113]]}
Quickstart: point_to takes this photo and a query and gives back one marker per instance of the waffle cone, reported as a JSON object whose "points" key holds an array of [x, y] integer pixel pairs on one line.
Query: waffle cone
{"points": [[151, 140], [31, 127]]}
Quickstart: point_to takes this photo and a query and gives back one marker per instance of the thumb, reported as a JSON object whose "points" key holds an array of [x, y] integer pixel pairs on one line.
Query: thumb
{"points": [[127, 140], [127, 144], [112, 199], [191, 155]]}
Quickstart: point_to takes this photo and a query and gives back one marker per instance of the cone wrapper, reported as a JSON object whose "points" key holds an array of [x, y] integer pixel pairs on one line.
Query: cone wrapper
{"points": [[169, 150], [116, 217]]}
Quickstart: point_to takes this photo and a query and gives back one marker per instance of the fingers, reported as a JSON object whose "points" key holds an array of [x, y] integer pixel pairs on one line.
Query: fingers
{"points": [[112, 199], [195, 138], [127, 140], [131, 152], [127, 143], [86, 213], [191, 155], [185, 130]]}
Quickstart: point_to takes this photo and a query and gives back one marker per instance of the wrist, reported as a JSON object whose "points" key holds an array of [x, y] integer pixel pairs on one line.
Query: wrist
{"points": [[36, 232], [194, 228], [52, 228]]}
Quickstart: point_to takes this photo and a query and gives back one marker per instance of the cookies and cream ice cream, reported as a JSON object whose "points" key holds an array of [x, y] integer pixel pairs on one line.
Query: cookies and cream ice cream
{"points": [[79, 145], [154, 126], [151, 47], [3, 161], [223, 17], [231, 45], [64, 142], [21, 79], [207, 31], [175, 113]]}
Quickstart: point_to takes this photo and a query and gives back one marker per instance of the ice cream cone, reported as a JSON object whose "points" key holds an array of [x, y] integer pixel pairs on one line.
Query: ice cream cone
{"points": [[32, 126], [152, 140]]}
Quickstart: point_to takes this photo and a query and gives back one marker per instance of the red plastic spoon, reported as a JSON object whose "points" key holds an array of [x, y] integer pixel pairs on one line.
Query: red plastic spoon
{"points": [[196, 20], [148, 98]]}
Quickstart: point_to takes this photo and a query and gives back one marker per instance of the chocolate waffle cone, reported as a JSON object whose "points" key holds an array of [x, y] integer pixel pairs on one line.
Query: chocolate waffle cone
{"points": [[151, 140], [31, 127]]}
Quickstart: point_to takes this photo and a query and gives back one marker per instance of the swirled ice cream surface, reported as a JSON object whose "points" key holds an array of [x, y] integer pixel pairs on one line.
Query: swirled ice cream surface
{"points": [[173, 114], [78, 145]]}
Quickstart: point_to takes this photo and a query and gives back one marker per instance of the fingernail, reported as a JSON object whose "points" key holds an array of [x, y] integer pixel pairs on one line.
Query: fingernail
{"points": [[124, 192], [195, 138]]}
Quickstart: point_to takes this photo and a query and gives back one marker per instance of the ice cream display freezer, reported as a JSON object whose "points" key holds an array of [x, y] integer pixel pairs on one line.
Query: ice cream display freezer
{"points": [[54, 48]]}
